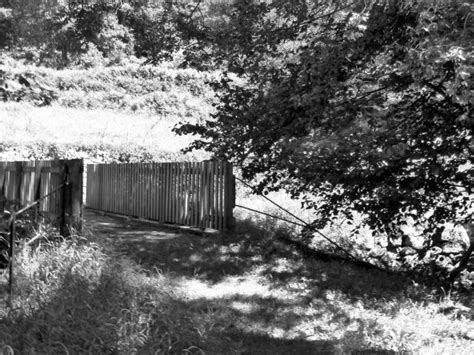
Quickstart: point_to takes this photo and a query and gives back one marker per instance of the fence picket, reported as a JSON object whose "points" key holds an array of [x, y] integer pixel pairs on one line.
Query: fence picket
{"points": [[168, 192], [201, 194], [151, 193], [182, 201]]}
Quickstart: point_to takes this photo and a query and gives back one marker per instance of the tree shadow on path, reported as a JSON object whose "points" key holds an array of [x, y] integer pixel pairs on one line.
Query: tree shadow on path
{"points": [[253, 246], [220, 272]]}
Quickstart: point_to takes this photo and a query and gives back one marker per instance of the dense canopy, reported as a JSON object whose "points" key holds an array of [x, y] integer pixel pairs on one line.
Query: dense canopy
{"points": [[353, 107]]}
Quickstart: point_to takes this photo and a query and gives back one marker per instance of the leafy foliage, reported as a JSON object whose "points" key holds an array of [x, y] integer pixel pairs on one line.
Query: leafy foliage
{"points": [[5, 27], [82, 29], [353, 108], [155, 32], [114, 40]]}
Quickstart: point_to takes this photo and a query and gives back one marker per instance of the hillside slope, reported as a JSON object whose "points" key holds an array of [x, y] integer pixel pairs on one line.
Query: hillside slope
{"points": [[126, 108]]}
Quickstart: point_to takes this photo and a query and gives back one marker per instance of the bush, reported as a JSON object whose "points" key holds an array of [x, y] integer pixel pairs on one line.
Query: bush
{"points": [[78, 296], [92, 58], [73, 29], [6, 25], [28, 26], [97, 153], [114, 40], [65, 34], [28, 87], [156, 34]]}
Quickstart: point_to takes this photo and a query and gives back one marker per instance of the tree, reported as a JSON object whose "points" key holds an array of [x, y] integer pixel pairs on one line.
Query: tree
{"points": [[156, 35], [6, 24], [354, 107], [76, 29]]}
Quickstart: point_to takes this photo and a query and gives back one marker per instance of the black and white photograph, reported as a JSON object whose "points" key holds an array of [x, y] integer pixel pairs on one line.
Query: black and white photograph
{"points": [[236, 177]]}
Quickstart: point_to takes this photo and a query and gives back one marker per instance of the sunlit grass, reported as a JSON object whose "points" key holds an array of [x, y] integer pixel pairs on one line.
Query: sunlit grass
{"points": [[93, 135], [24, 123], [242, 293], [77, 296], [131, 88], [130, 105], [261, 291]]}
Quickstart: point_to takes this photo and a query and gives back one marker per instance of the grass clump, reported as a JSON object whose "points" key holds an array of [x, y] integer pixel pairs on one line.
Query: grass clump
{"points": [[77, 296]]}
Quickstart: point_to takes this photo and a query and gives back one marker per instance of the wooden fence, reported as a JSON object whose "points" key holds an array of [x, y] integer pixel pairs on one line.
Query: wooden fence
{"points": [[22, 183], [193, 194]]}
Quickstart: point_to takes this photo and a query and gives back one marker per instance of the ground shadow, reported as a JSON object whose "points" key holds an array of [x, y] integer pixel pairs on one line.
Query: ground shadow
{"points": [[226, 323], [209, 257], [107, 317], [257, 245]]}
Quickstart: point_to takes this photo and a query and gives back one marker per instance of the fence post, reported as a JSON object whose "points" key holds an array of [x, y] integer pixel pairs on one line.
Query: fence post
{"points": [[11, 257], [72, 178], [229, 197], [64, 198], [76, 169]]}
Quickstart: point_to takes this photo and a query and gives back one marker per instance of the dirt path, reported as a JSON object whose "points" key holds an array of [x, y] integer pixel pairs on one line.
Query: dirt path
{"points": [[222, 275], [149, 244], [261, 296]]}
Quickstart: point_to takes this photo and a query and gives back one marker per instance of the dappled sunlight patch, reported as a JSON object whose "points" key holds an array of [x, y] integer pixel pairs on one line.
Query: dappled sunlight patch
{"points": [[284, 265], [243, 307], [281, 296], [245, 293], [228, 286]]}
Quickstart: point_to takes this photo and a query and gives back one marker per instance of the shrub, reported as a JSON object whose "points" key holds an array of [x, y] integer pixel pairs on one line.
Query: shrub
{"points": [[157, 37], [92, 58], [114, 40], [98, 153], [78, 295], [6, 25], [72, 29], [26, 87]]}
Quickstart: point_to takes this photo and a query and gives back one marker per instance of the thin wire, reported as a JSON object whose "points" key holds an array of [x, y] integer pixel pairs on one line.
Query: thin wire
{"points": [[271, 215], [38, 200], [12, 227], [298, 218]]}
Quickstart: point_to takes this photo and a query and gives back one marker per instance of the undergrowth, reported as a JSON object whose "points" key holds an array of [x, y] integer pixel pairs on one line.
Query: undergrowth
{"points": [[105, 114], [97, 153], [131, 88], [269, 297], [126, 290], [75, 296]]}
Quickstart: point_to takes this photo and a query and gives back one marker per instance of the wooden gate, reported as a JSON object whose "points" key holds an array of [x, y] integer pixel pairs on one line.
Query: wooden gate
{"points": [[193, 194], [22, 183]]}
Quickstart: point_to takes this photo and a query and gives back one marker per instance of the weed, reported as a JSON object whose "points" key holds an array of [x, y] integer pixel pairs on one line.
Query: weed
{"points": [[76, 296]]}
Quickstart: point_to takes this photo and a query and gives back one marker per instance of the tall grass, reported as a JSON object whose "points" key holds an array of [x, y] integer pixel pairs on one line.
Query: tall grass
{"points": [[128, 108], [249, 292], [161, 91], [77, 296]]}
